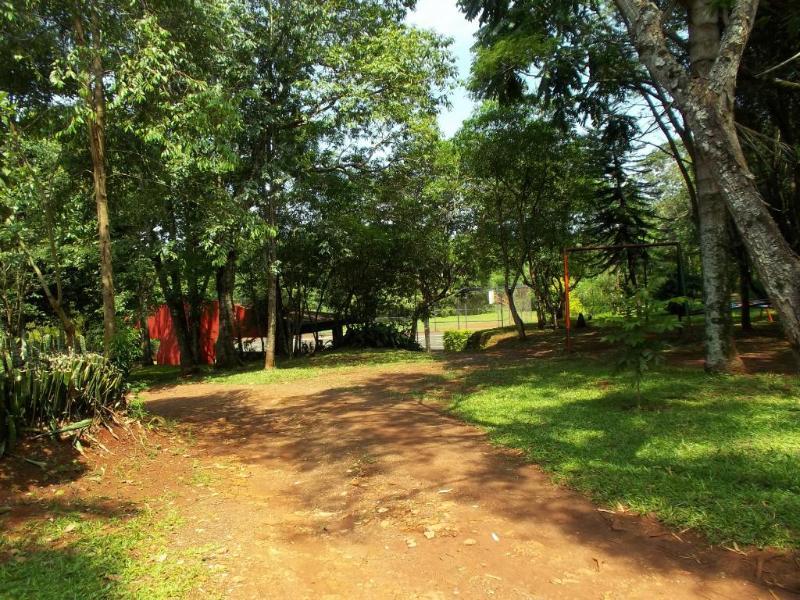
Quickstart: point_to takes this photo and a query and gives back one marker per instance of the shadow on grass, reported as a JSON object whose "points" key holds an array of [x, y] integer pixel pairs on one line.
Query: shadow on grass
{"points": [[57, 550], [718, 454]]}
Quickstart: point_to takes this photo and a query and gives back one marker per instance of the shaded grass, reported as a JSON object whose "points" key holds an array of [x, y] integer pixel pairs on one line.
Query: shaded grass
{"points": [[720, 454], [122, 557], [287, 369]]}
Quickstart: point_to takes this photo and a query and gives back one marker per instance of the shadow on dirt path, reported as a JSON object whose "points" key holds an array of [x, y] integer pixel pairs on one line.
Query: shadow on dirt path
{"points": [[352, 486]]}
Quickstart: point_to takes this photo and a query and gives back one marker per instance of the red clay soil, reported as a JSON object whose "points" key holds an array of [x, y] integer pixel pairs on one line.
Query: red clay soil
{"points": [[354, 488], [349, 486], [764, 349]]}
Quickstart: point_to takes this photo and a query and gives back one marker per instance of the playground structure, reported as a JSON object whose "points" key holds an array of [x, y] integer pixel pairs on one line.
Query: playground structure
{"points": [[626, 247]]}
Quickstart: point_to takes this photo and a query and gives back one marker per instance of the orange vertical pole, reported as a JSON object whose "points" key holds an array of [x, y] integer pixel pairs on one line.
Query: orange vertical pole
{"points": [[566, 300]]}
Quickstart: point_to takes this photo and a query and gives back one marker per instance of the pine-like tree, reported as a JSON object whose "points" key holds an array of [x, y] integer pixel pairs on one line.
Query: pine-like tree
{"points": [[622, 213]]}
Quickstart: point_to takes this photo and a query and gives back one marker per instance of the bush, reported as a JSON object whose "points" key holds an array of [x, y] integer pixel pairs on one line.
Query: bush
{"points": [[379, 335], [456, 341], [42, 386], [126, 347]]}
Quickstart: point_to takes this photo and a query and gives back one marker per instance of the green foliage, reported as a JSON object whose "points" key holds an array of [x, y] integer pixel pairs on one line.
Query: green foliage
{"points": [[126, 347], [379, 335], [41, 386], [598, 294], [456, 340], [82, 554], [718, 454], [640, 334]]}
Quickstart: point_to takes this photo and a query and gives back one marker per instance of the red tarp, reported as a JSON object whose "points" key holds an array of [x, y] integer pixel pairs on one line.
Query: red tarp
{"points": [[161, 328]]}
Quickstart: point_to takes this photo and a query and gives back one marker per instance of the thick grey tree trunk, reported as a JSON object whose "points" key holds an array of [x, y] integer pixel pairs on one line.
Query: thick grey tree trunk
{"points": [[715, 242], [707, 102], [715, 253]]}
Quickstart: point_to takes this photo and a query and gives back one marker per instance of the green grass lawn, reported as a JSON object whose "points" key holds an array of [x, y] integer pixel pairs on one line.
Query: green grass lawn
{"points": [[484, 320], [287, 370], [77, 556], [720, 454]]}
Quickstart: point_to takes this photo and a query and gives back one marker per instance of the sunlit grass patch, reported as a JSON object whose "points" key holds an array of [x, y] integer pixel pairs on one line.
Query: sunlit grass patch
{"points": [[720, 454], [286, 371], [75, 555]]}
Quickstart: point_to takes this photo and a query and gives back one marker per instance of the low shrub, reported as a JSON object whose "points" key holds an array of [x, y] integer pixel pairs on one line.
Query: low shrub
{"points": [[126, 347], [379, 335], [479, 339], [42, 385], [456, 341]]}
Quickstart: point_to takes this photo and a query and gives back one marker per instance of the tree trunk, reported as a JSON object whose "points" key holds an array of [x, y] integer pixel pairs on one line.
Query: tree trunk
{"points": [[147, 345], [272, 307], [195, 297], [226, 279], [427, 325], [707, 103], [715, 242], [54, 300], [97, 147], [715, 249], [744, 295], [415, 315], [744, 288], [512, 307]]}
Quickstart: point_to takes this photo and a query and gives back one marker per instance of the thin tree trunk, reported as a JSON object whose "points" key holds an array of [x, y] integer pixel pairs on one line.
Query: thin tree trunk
{"points": [[427, 325], [744, 289], [272, 307], [55, 302], [97, 147], [509, 287], [147, 345], [177, 310], [415, 315], [226, 279], [194, 322]]}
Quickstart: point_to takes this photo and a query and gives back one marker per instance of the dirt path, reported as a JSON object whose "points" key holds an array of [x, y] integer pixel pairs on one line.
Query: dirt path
{"points": [[349, 486]]}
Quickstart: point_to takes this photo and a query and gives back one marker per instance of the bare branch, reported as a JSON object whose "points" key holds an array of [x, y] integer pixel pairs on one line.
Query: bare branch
{"points": [[779, 65]]}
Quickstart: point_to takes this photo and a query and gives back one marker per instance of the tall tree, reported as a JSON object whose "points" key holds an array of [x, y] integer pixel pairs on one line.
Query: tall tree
{"points": [[622, 214], [334, 85], [691, 57], [530, 182]]}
